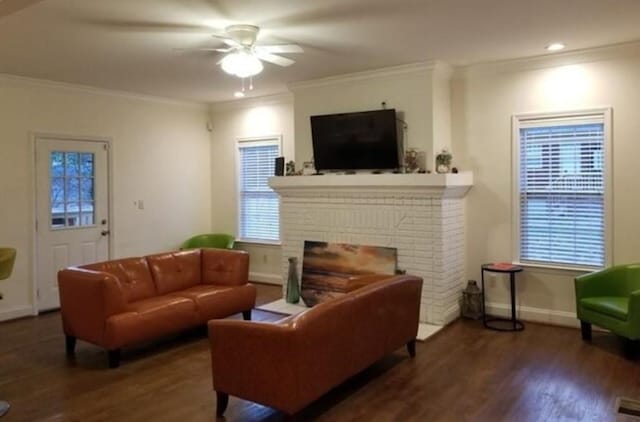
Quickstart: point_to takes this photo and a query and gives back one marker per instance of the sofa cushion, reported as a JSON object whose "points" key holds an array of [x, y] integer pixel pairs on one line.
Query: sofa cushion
{"points": [[219, 301], [616, 307], [175, 270], [225, 267], [134, 276], [148, 319]]}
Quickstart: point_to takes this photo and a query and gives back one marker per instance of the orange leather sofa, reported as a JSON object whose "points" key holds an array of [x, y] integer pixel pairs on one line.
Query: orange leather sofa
{"points": [[289, 364], [118, 303]]}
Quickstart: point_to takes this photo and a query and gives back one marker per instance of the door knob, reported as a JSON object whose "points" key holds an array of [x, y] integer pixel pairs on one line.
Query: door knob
{"points": [[105, 232]]}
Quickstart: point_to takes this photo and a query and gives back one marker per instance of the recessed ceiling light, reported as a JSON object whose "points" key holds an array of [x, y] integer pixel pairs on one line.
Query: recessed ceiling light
{"points": [[556, 46], [238, 94]]}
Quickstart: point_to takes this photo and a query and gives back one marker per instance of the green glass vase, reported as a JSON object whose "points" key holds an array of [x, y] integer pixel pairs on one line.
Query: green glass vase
{"points": [[293, 288]]}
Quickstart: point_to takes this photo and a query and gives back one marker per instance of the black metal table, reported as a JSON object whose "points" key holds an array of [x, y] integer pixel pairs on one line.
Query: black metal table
{"points": [[512, 324]]}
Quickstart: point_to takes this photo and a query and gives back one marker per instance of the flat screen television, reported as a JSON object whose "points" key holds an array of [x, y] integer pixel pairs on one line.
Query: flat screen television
{"points": [[365, 140]]}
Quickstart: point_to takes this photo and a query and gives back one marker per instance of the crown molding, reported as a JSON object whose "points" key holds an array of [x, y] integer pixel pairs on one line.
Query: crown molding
{"points": [[242, 103], [384, 72], [45, 83], [602, 53]]}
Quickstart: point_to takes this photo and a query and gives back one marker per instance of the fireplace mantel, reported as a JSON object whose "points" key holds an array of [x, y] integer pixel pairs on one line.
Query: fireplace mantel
{"points": [[441, 185]]}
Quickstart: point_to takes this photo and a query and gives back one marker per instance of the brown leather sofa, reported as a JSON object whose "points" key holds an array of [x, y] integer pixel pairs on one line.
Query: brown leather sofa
{"points": [[289, 364], [118, 303]]}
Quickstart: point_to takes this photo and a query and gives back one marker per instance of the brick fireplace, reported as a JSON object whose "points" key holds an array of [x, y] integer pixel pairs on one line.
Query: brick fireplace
{"points": [[422, 215]]}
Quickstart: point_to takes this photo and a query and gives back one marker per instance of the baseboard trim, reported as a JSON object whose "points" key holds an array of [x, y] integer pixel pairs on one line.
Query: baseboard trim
{"points": [[527, 313], [267, 278], [16, 312]]}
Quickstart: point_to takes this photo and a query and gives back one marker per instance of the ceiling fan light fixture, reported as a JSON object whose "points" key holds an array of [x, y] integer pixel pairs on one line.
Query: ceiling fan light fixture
{"points": [[241, 64]]}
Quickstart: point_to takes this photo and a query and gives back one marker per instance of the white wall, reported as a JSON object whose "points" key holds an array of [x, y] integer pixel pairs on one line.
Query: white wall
{"points": [[266, 116], [160, 155], [484, 99], [407, 89]]}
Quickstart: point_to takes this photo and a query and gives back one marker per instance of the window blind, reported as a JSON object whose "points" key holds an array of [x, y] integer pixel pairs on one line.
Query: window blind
{"points": [[259, 204], [562, 193]]}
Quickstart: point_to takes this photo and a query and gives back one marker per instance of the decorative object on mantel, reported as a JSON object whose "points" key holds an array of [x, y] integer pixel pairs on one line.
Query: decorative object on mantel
{"points": [[454, 170], [307, 168], [293, 290], [411, 160], [331, 270], [443, 161], [291, 168], [472, 301]]}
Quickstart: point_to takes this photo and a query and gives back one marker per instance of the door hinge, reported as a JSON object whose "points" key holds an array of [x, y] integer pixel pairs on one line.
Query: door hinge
{"points": [[105, 146], [38, 293], [36, 225]]}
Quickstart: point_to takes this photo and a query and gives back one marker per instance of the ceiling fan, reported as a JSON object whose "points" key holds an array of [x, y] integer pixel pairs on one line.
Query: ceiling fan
{"points": [[243, 57]]}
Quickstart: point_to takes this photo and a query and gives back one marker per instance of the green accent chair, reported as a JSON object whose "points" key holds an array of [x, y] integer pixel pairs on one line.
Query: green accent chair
{"points": [[7, 259], [610, 299], [212, 240]]}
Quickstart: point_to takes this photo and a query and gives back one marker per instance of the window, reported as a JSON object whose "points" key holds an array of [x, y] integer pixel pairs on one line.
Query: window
{"points": [[259, 205], [561, 189], [72, 189]]}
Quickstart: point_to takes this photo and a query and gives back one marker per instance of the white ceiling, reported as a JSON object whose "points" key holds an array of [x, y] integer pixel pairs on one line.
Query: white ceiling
{"points": [[130, 44]]}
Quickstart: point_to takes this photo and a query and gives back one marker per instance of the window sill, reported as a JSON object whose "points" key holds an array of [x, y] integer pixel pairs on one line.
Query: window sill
{"points": [[556, 268], [259, 242]]}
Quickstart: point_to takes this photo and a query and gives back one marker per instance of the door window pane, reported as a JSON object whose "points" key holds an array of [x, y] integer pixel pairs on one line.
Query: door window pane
{"points": [[72, 193]]}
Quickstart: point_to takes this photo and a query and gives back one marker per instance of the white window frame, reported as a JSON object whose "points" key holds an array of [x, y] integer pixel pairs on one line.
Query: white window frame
{"points": [[253, 141], [553, 118]]}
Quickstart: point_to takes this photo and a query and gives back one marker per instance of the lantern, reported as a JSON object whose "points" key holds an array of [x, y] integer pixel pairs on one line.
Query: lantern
{"points": [[472, 301]]}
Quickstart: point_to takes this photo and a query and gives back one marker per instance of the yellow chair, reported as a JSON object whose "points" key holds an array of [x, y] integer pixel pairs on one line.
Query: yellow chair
{"points": [[7, 259]]}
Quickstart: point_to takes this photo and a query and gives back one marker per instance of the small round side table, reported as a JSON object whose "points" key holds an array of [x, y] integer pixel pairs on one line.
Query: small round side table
{"points": [[502, 324]]}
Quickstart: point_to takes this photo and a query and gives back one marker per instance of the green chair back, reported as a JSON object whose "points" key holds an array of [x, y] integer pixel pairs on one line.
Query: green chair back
{"points": [[7, 259], [212, 240]]}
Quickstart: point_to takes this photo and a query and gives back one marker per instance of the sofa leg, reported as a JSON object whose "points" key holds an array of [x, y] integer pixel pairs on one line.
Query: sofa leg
{"points": [[114, 358], [246, 315], [630, 348], [411, 348], [222, 401], [585, 327], [70, 343]]}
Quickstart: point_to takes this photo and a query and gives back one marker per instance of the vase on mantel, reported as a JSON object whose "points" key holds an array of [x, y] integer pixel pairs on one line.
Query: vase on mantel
{"points": [[293, 289]]}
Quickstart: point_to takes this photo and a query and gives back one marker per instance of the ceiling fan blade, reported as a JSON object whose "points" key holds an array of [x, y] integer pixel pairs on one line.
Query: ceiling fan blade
{"points": [[280, 48], [143, 26], [219, 50], [272, 58], [228, 41]]}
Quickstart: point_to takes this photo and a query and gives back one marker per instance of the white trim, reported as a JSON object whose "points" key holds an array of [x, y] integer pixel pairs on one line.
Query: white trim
{"points": [[275, 279], [528, 313], [384, 72], [604, 114], [275, 244], [45, 83], [257, 140], [221, 106], [35, 136], [16, 312], [593, 54]]}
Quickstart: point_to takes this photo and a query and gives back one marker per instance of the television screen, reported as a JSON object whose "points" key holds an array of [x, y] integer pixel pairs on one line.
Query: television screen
{"points": [[356, 141]]}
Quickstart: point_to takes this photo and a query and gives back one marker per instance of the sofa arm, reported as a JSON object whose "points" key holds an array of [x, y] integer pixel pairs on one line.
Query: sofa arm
{"points": [[87, 299], [225, 267], [254, 361]]}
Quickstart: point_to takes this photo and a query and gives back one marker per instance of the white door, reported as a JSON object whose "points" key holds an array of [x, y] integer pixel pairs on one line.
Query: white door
{"points": [[72, 221]]}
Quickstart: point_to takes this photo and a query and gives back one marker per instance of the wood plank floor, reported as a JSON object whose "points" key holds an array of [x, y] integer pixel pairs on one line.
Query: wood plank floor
{"points": [[465, 373]]}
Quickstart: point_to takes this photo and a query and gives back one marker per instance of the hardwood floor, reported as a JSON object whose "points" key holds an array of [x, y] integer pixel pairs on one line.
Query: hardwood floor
{"points": [[465, 373]]}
